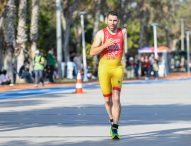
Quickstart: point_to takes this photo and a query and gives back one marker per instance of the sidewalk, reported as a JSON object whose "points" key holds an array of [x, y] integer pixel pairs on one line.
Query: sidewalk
{"points": [[31, 86]]}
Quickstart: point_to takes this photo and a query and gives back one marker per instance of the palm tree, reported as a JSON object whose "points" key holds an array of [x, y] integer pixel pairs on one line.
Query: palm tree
{"points": [[34, 26], [2, 15], [9, 36], [68, 10], [20, 49], [144, 15], [1, 42], [97, 10], [164, 15]]}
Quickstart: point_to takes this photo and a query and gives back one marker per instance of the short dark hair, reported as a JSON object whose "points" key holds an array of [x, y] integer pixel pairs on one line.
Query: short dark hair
{"points": [[113, 13]]}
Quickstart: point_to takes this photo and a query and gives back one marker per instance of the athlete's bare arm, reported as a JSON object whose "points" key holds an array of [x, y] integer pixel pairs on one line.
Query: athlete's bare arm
{"points": [[98, 46]]}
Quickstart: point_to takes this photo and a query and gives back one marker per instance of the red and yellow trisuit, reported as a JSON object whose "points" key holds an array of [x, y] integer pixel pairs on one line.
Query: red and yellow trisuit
{"points": [[110, 70]]}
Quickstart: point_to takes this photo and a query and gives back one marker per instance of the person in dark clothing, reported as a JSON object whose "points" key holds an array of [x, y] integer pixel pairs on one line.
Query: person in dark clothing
{"points": [[51, 61], [24, 73], [146, 66]]}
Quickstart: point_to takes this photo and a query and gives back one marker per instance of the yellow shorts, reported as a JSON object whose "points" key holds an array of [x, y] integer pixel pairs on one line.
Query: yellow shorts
{"points": [[110, 78]]}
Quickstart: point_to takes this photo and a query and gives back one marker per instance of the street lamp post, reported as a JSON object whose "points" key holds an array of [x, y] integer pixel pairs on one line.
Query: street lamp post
{"points": [[188, 50], [59, 36], [125, 40], [85, 79], [182, 34], [155, 39]]}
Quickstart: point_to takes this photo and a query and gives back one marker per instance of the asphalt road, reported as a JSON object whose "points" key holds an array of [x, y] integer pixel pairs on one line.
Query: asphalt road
{"points": [[154, 113]]}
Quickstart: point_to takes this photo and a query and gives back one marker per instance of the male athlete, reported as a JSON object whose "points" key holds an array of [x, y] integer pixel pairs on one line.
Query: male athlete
{"points": [[108, 43]]}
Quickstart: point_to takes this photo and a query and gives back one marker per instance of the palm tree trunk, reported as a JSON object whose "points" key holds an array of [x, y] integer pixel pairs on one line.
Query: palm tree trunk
{"points": [[78, 32], [174, 44], [21, 36], [1, 42], [68, 21], [66, 41], [96, 16], [34, 26], [167, 37], [124, 12], [9, 36], [142, 25], [96, 26]]}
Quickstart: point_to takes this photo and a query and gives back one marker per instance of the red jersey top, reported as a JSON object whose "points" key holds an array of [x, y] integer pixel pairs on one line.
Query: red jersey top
{"points": [[113, 53]]}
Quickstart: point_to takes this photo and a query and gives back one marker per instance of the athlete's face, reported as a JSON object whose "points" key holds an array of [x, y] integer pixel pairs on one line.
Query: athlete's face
{"points": [[112, 22]]}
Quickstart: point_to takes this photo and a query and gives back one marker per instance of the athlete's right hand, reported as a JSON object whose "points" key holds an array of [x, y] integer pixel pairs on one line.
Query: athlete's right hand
{"points": [[109, 42]]}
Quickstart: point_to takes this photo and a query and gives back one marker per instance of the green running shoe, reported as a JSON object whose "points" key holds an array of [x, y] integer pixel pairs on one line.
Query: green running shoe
{"points": [[114, 133]]}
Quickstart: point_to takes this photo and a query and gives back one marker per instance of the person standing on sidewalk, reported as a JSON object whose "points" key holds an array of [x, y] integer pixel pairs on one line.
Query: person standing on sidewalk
{"points": [[51, 61], [108, 43], [38, 62]]}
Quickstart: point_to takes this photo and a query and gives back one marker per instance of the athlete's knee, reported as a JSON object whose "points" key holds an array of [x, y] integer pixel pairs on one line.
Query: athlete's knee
{"points": [[115, 98], [108, 102], [116, 102]]}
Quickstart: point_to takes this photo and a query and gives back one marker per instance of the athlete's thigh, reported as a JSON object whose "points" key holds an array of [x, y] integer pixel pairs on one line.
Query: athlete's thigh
{"points": [[117, 78], [104, 80]]}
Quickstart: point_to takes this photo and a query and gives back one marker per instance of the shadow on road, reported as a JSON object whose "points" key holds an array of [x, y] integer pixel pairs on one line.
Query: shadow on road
{"points": [[92, 115]]}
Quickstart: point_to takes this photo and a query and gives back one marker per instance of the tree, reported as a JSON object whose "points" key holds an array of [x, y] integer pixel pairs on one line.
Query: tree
{"points": [[34, 26], [9, 36], [97, 10], [1, 41], [144, 14], [68, 9], [163, 15], [87, 6], [46, 26], [20, 49]]}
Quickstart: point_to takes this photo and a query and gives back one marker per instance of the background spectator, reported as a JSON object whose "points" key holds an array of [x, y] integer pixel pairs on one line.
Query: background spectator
{"points": [[4, 79], [155, 68], [51, 61], [39, 63], [24, 73]]}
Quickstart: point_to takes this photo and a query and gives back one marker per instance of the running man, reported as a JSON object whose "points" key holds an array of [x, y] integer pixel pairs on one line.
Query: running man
{"points": [[108, 43]]}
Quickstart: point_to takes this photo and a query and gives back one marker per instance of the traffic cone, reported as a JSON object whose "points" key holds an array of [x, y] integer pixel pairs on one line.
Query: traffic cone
{"points": [[79, 89]]}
